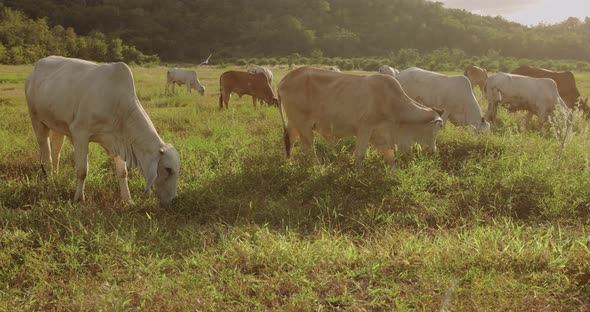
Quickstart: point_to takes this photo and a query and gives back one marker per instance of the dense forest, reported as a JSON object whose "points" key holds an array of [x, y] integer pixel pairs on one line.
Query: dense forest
{"points": [[182, 30], [24, 41]]}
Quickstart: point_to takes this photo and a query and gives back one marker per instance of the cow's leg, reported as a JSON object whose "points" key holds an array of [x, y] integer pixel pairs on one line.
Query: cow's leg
{"points": [[481, 85], [57, 142], [42, 134], [291, 136], [492, 111], [173, 87], [167, 85], [362, 142], [80, 142], [254, 101], [388, 156], [542, 117], [306, 137], [188, 87], [528, 118], [121, 169], [226, 96]]}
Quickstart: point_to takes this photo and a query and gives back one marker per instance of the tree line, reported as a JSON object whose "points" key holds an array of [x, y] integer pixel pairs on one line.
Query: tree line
{"points": [[24, 41], [182, 30]]}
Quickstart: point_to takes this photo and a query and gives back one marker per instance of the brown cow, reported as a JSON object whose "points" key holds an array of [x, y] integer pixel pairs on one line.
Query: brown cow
{"points": [[566, 84], [241, 83], [477, 76], [263, 70]]}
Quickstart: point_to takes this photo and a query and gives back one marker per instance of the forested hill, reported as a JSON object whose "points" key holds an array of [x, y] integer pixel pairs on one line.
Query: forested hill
{"points": [[189, 30]]}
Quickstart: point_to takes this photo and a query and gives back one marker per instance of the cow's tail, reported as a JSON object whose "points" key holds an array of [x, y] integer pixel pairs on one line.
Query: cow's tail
{"points": [[220, 92], [286, 137], [167, 80]]}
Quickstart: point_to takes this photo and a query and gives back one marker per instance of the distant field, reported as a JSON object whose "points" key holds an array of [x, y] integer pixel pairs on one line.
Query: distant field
{"points": [[490, 223]]}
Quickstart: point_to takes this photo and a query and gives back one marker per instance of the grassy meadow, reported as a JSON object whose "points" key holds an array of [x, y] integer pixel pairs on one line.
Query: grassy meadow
{"points": [[492, 222]]}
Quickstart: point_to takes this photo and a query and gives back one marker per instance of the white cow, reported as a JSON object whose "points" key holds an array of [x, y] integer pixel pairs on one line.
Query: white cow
{"points": [[453, 94], [388, 70], [537, 96], [334, 69], [261, 70], [373, 108], [186, 77], [89, 102]]}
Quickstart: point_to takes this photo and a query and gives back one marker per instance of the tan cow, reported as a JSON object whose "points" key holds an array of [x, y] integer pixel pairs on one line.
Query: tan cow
{"points": [[477, 76], [241, 83], [373, 108]]}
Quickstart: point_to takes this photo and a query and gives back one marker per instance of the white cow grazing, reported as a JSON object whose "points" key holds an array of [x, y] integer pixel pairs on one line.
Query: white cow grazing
{"points": [[453, 94], [538, 96], [261, 70], [89, 102], [388, 70], [373, 108], [186, 77]]}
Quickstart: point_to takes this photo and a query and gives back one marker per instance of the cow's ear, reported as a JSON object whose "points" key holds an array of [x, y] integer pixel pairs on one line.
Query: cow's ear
{"points": [[151, 172], [438, 121]]}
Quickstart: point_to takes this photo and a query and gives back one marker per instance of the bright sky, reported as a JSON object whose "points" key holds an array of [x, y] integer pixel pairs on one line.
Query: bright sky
{"points": [[528, 12]]}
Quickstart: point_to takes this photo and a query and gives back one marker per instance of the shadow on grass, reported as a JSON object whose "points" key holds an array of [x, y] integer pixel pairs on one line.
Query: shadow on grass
{"points": [[463, 183]]}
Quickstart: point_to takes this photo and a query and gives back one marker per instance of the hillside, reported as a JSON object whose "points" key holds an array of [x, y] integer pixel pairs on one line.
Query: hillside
{"points": [[344, 28]]}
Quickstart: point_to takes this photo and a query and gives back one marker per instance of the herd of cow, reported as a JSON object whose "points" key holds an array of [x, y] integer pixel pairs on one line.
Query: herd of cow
{"points": [[392, 110]]}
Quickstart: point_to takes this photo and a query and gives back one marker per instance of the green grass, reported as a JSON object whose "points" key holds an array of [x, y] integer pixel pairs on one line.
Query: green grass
{"points": [[490, 222]]}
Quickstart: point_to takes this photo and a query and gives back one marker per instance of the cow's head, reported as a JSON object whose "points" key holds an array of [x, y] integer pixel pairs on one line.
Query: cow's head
{"points": [[162, 173], [582, 105], [199, 87], [271, 100], [427, 137], [405, 135], [483, 127], [265, 90]]}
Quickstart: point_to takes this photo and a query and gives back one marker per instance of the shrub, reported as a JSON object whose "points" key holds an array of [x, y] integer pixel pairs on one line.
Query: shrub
{"points": [[115, 50]]}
